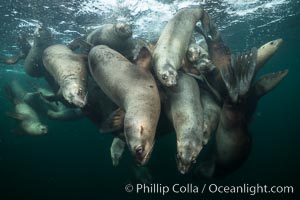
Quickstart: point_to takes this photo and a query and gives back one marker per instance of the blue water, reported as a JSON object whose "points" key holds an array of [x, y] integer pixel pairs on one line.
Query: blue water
{"points": [[73, 160]]}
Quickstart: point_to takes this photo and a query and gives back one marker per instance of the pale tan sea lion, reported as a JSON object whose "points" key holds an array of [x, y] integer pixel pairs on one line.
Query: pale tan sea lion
{"points": [[171, 47], [27, 117], [133, 88], [33, 62], [184, 108], [69, 71]]}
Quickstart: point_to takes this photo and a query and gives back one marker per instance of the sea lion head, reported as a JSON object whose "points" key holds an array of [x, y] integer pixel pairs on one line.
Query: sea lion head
{"points": [[168, 76], [123, 29], [42, 34], [193, 53], [139, 143], [187, 155], [36, 128], [75, 93]]}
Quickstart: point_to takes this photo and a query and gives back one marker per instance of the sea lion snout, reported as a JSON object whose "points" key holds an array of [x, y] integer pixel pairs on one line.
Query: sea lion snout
{"points": [[186, 156], [169, 77], [75, 94]]}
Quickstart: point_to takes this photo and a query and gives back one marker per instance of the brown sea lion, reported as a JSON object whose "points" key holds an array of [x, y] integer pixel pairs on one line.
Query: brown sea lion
{"points": [[172, 45], [33, 62], [234, 73], [69, 71], [184, 108], [133, 88], [27, 117], [232, 141]]}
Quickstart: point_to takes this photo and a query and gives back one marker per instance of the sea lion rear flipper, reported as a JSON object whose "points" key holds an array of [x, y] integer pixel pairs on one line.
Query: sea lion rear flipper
{"points": [[114, 122], [15, 115], [12, 60], [244, 66], [267, 82]]}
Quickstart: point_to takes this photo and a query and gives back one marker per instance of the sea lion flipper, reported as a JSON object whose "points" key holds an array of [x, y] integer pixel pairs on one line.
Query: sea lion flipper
{"points": [[244, 67], [114, 122], [206, 169], [15, 115], [230, 80], [11, 61], [267, 82]]}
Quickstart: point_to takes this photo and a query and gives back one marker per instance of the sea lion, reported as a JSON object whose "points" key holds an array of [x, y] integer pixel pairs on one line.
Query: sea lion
{"points": [[185, 111], [171, 47], [69, 71], [116, 150], [29, 121], [232, 141], [33, 62], [24, 46], [133, 88], [112, 35]]}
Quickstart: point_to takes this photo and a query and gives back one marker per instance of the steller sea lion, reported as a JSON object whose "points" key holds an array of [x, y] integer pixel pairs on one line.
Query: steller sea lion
{"points": [[28, 118], [33, 62], [69, 71], [133, 88], [172, 45], [184, 109]]}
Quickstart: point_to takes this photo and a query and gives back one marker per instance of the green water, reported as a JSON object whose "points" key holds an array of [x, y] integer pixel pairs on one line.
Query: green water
{"points": [[73, 160]]}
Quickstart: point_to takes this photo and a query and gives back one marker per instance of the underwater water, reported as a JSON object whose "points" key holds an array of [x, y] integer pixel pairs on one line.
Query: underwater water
{"points": [[73, 160]]}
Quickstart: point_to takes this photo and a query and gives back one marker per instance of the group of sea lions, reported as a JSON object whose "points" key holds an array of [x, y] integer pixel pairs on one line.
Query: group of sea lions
{"points": [[139, 91]]}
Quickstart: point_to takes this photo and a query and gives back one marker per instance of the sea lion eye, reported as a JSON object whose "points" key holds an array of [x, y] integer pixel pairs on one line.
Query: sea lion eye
{"points": [[80, 91], [164, 77], [139, 150]]}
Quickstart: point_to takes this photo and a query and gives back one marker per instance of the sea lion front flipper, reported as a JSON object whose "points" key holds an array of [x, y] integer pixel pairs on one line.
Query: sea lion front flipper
{"points": [[267, 82], [244, 67], [116, 150], [16, 116], [114, 122]]}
